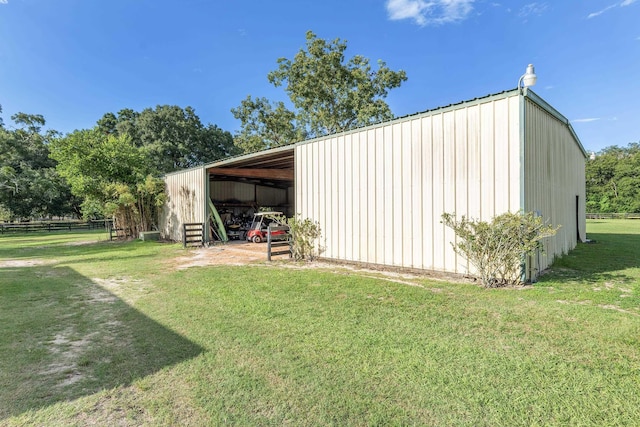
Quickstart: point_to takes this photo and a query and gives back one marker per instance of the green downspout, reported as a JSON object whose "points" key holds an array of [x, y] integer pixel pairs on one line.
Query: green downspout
{"points": [[205, 199]]}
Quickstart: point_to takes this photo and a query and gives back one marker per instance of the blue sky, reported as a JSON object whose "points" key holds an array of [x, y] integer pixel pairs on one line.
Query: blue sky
{"points": [[74, 60]]}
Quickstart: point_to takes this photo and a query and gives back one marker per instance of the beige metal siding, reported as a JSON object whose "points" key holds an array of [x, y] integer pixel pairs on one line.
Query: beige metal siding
{"points": [[554, 176], [185, 202], [379, 193]]}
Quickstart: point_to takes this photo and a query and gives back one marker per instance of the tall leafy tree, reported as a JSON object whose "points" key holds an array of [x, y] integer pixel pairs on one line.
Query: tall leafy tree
{"points": [[113, 175], [328, 93], [116, 165], [173, 137], [265, 125], [29, 184]]}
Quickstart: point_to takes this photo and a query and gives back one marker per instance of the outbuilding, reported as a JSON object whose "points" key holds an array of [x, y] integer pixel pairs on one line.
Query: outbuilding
{"points": [[378, 192]]}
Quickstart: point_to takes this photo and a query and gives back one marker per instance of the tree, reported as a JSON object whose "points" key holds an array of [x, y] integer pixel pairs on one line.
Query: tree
{"points": [[173, 137], [29, 184], [113, 175], [115, 166], [329, 95], [613, 180], [265, 125]]}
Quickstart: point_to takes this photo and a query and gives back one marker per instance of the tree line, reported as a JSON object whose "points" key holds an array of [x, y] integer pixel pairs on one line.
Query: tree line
{"points": [[113, 169], [110, 170], [613, 180]]}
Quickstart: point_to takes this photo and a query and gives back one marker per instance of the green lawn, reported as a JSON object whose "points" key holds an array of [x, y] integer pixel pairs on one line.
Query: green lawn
{"points": [[109, 333]]}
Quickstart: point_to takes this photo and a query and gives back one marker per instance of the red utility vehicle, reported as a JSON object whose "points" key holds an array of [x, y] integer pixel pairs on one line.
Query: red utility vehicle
{"points": [[258, 231]]}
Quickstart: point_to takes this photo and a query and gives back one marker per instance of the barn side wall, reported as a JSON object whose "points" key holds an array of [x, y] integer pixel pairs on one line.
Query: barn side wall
{"points": [[185, 202], [554, 181], [379, 193]]}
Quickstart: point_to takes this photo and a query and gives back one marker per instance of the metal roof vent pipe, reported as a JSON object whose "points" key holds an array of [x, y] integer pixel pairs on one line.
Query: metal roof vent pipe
{"points": [[528, 79]]}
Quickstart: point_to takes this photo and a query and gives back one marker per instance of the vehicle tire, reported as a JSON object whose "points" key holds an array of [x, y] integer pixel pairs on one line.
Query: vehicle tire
{"points": [[256, 239]]}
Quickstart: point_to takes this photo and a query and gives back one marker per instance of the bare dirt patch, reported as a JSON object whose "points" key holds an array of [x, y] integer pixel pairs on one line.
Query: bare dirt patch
{"points": [[231, 253], [16, 263], [68, 351]]}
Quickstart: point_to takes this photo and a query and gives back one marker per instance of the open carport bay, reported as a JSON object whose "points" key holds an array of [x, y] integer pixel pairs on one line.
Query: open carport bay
{"points": [[238, 187]]}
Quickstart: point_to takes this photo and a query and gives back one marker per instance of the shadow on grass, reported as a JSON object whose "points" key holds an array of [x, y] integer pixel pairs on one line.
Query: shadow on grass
{"points": [[64, 336], [603, 259]]}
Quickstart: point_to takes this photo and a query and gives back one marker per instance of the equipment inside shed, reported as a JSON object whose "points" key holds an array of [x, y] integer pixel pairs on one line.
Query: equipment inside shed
{"points": [[244, 187]]}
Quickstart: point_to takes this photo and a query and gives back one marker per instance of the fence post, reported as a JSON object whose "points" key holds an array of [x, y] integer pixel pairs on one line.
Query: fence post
{"points": [[271, 244]]}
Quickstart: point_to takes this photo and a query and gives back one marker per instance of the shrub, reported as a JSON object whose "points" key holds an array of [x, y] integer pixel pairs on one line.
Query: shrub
{"points": [[497, 249], [304, 235]]}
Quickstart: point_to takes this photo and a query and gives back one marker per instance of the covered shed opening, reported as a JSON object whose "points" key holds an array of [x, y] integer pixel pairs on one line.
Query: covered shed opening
{"points": [[241, 186]]}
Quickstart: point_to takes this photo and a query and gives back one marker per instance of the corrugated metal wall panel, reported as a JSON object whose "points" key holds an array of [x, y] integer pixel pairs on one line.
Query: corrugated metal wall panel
{"points": [[474, 163], [389, 240], [416, 178], [334, 179], [449, 185], [379, 198], [270, 196], [229, 190], [356, 213], [350, 194], [461, 174], [368, 240], [379, 193], [502, 147], [395, 226], [243, 192], [185, 202], [438, 186], [487, 162], [515, 177], [342, 191], [427, 193], [554, 176]]}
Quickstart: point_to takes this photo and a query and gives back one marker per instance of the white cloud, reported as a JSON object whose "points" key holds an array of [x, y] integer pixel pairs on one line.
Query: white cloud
{"points": [[4, 1], [429, 12], [532, 9], [621, 4], [590, 119], [600, 12]]}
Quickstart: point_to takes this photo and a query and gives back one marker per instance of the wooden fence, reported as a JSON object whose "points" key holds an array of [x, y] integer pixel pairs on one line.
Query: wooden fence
{"points": [[284, 241], [48, 226], [613, 216], [192, 234]]}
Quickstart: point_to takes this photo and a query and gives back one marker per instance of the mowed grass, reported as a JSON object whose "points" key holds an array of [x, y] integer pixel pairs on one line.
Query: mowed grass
{"points": [[111, 333]]}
